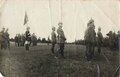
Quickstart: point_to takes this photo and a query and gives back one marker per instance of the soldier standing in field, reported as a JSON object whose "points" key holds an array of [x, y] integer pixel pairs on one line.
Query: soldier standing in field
{"points": [[22, 39], [19, 40], [53, 39], [61, 38], [16, 40], [86, 40], [111, 39], [2, 39], [99, 39], [7, 41], [27, 38], [90, 39], [34, 39]]}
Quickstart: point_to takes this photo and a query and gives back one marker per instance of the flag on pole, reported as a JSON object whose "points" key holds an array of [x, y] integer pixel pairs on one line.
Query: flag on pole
{"points": [[25, 18]]}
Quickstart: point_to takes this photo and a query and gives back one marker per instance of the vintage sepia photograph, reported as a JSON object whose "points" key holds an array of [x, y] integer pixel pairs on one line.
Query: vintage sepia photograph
{"points": [[59, 38]]}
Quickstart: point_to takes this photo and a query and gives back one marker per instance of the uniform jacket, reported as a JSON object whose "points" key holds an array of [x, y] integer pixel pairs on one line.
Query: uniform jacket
{"points": [[100, 37], [90, 35], [53, 37], [2, 36], [27, 36], [61, 36]]}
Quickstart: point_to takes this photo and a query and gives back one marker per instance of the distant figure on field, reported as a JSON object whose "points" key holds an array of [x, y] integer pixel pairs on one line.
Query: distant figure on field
{"points": [[48, 40], [16, 40], [61, 38], [19, 40], [111, 40], [27, 38], [99, 40], [2, 39], [22, 40], [7, 40], [90, 39], [34, 39], [53, 39]]}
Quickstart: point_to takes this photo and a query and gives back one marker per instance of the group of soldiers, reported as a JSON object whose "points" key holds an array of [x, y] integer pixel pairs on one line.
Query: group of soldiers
{"points": [[90, 40], [26, 39], [20, 39], [113, 40], [4, 39], [93, 39], [58, 40]]}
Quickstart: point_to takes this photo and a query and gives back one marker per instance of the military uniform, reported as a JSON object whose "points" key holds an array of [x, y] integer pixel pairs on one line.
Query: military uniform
{"points": [[7, 42], [53, 40], [90, 39], [61, 40], [19, 40], [22, 40], [111, 40], [2, 40], [99, 41], [34, 39], [28, 40], [16, 40]]}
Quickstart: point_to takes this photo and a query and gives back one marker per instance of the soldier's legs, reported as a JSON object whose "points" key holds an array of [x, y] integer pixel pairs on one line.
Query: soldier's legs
{"points": [[89, 52], [18, 44], [8, 44], [57, 50], [23, 43], [62, 49], [92, 51], [4, 45], [99, 48], [15, 43], [52, 48], [1, 45], [27, 47]]}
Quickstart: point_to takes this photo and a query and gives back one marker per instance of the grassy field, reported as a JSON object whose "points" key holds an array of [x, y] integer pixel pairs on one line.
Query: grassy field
{"points": [[39, 62]]}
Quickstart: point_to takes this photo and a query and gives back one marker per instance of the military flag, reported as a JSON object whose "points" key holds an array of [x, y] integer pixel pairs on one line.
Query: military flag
{"points": [[25, 18]]}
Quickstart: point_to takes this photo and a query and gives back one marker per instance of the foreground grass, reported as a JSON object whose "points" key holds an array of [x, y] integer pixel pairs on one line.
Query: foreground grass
{"points": [[39, 62]]}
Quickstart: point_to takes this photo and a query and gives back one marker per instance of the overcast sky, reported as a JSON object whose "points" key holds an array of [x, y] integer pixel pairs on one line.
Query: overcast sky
{"points": [[75, 14]]}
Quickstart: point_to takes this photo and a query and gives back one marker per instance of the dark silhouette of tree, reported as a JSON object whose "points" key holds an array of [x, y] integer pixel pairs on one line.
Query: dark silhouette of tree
{"points": [[44, 40], [12, 39], [39, 40]]}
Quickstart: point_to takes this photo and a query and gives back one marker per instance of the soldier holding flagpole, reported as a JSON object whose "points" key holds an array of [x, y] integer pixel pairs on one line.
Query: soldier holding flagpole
{"points": [[27, 33], [28, 38]]}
